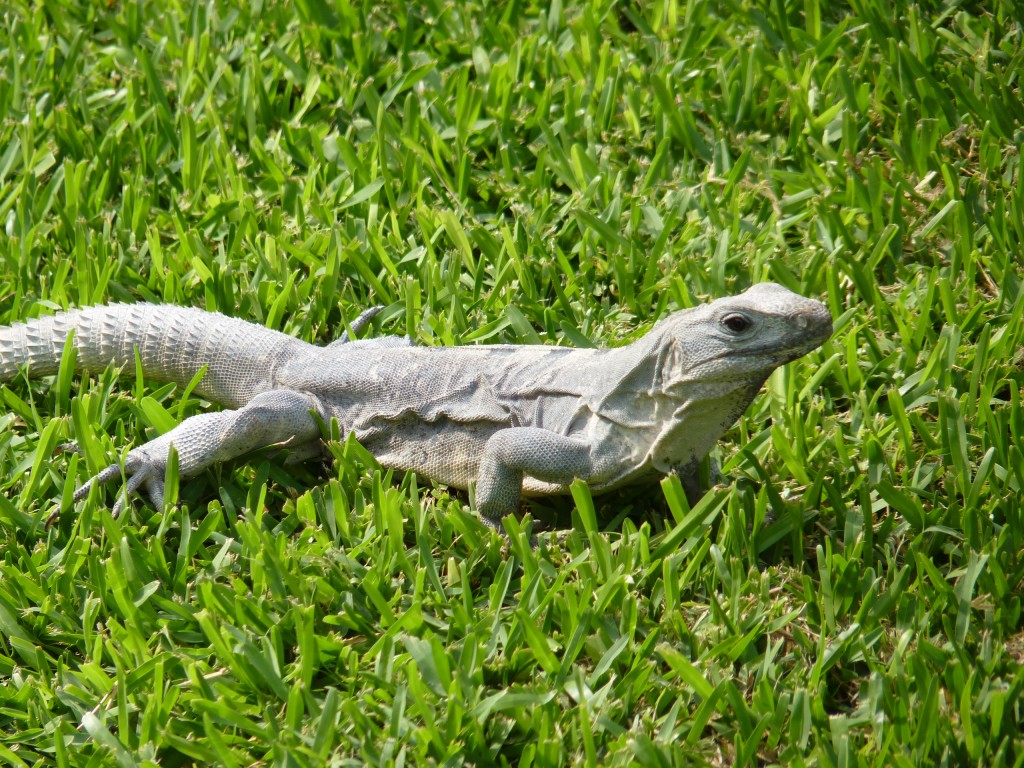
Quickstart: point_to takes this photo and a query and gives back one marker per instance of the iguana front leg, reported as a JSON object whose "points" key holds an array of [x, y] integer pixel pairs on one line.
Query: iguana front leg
{"points": [[511, 453], [270, 418]]}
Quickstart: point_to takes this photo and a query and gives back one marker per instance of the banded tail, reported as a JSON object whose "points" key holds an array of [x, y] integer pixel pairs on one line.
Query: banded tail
{"points": [[174, 343]]}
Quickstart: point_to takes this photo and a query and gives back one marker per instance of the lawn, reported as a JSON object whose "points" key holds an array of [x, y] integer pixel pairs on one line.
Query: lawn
{"points": [[562, 173]]}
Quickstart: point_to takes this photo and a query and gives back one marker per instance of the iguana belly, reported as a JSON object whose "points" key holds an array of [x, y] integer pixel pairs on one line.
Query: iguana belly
{"points": [[440, 450]]}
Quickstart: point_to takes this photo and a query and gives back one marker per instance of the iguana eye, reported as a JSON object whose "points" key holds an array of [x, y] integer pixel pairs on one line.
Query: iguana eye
{"points": [[737, 323]]}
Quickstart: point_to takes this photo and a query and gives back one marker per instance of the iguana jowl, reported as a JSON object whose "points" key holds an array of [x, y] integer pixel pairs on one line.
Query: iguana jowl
{"points": [[510, 418]]}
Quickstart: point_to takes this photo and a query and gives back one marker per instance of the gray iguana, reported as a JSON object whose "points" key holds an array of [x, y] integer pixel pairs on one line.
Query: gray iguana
{"points": [[511, 418]]}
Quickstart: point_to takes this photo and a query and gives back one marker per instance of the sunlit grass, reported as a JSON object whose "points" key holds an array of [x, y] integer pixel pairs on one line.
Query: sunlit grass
{"points": [[560, 174]]}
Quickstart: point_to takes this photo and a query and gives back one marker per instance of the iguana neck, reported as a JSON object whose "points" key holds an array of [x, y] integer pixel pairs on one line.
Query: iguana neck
{"points": [[650, 388]]}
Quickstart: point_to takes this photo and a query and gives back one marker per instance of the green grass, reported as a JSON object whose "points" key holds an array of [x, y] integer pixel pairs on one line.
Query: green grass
{"points": [[561, 174]]}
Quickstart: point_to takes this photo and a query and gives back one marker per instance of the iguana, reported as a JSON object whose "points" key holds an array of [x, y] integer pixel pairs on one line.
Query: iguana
{"points": [[511, 418]]}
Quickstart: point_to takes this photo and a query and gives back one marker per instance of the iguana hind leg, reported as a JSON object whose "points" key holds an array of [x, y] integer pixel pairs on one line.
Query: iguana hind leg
{"points": [[511, 453], [361, 322], [358, 324], [270, 418]]}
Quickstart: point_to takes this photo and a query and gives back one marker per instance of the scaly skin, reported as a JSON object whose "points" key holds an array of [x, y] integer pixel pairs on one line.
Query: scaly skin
{"points": [[512, 419]]}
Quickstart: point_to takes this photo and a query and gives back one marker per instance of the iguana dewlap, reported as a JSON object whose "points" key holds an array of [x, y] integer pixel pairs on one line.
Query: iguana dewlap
{"points": [[513, 418]]}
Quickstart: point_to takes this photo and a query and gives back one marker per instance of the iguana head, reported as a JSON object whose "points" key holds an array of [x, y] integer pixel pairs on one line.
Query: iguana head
{"points": [[742, 338], [711, 360], [695, 372]]}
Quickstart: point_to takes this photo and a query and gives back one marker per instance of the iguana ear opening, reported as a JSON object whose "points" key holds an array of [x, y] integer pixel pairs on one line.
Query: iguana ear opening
{"points": [[668, 366]]}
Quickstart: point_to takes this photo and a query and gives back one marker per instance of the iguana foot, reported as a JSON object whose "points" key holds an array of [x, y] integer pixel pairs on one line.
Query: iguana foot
{"points": [[140, 470], [496, 526], [697, 482]]}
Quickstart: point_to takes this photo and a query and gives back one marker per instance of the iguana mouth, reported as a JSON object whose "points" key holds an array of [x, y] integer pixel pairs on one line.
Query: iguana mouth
{"points": [[772, 356]]}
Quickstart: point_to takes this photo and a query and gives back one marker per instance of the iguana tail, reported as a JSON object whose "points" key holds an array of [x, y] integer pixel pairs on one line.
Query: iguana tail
{"points": [[173, 344]]}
